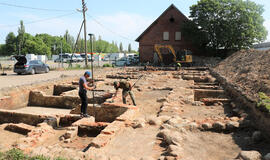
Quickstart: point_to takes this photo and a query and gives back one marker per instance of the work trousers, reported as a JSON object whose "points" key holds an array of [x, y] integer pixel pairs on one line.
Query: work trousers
{"points": [[125, 94], [83, 97]]}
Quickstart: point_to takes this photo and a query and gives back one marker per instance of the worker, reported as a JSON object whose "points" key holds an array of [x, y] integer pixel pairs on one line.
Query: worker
{"points": [[177, 66], [83, 87], [126, 89]]}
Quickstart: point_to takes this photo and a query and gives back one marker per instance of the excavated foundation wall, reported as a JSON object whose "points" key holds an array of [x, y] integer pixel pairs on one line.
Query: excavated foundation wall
{"points": [[261, 120], [18, 97], [13, 117]]}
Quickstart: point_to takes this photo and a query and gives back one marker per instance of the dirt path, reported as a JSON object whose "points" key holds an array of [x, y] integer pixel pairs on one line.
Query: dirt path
{"points": [[14, 80]]}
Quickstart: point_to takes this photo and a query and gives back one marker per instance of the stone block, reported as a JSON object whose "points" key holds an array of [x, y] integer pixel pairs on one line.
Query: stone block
{"points": [[231, 125], [219, 126], [250, 155], [113, 128], [19, 128], [100, 141], [206, 126], [84, 121], [127, 115], [71, 134]]}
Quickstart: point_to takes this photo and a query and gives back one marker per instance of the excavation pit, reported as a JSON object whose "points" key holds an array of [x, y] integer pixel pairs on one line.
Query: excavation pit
{"points": [[207, 93], [54, 109]]}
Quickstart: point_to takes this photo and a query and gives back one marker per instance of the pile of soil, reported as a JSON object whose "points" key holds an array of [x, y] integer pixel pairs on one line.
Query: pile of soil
{"points": [[249, 70]]}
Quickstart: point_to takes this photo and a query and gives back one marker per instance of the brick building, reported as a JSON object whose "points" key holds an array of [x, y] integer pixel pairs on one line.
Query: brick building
{"points": [[166, 29]]}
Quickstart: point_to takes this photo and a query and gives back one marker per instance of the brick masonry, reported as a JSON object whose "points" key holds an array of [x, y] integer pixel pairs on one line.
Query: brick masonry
{"points": [[154, 34]]}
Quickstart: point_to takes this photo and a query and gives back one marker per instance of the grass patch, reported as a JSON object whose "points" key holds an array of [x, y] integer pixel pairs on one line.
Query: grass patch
{"points": [[107, 65], [78, 67], [264, 102], [16, 154]]}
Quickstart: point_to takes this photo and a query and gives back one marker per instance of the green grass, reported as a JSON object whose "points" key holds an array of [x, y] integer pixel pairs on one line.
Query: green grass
{"points": [[78, 67], [107, 65], [16, 154], [264, 102]]}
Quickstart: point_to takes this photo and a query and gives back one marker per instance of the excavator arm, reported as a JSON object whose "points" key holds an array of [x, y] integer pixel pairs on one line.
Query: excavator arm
{"points": [[188, 58]]}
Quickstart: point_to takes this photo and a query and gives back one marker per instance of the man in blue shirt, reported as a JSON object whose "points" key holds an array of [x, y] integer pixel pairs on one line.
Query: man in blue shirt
{"points": [[83, 87]]}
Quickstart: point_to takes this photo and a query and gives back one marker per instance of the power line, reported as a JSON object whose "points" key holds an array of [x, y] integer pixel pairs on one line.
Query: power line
{"points": [[37, 21], [124, 37], [40, 9]]}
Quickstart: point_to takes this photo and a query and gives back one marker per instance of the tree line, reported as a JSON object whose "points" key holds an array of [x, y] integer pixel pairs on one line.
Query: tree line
{"points": [[224, 24], [45, 44]]}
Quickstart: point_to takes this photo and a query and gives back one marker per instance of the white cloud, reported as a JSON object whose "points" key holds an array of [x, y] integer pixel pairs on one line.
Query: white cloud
{"points": [[267, 26]]}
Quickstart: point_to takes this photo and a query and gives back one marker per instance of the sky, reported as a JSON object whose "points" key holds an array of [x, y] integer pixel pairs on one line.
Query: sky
{"points": [[113, 20]]}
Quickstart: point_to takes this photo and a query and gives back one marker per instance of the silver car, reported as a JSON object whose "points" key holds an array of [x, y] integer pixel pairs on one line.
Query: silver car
{"points": [[30, 67]]}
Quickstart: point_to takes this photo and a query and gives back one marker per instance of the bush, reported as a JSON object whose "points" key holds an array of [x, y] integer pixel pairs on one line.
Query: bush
{"points": [[14, 154], [264, 102], [39, 158], [107, 65]]}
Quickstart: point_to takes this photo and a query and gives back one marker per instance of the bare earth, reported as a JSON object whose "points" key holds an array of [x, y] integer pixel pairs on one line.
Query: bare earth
{"points": [[154, 93]]}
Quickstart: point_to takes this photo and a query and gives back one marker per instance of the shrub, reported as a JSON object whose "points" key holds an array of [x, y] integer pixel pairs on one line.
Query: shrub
{"points": [[14, 154], [264, 102], [39, 158], [107, 65]]}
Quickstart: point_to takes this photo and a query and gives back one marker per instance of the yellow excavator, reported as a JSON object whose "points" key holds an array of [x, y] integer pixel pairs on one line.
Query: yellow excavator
{"points": [[183, 57]]}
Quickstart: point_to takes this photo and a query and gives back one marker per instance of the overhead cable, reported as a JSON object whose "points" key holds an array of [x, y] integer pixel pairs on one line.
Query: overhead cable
{"points": [[37, 21], [40, 9], [95, 20]]}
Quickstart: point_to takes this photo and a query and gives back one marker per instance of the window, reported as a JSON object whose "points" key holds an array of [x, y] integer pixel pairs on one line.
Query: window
{"points": [[33, 62], [177, 36], [166, 36]]}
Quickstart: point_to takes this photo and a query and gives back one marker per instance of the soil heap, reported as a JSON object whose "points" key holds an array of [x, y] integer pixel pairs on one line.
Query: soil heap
{"points": [[249, 70]]}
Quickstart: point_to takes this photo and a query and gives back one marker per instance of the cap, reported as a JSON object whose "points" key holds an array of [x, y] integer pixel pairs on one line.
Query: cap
{"points": [[115, 83], [87, 73]]}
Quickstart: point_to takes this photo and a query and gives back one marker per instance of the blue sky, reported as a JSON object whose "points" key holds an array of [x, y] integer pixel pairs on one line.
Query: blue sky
{"points": [[118, 20]]}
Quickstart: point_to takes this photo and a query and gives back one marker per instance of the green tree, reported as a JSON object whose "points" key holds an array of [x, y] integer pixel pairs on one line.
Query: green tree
{"points": [[10, 47], [2, 49], [227, 24], [121, 47], [36, 46], [69, 39], [129, 48], [20, 37]]}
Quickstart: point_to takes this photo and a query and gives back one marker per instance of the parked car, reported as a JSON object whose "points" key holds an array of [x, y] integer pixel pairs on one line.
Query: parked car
{"points": [[65, 58], [122, 62], [77, 58], [88, 57], [22, 66]]}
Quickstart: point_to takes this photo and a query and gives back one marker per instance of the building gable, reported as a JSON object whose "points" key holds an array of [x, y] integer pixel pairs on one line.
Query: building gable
{"points": [[178, 13]]}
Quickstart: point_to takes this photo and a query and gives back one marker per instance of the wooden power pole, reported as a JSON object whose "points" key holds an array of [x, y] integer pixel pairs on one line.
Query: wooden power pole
{"points": [[85, 34]]}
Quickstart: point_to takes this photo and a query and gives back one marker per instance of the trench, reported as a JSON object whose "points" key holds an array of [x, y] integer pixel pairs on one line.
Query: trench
{"points": [[59, 106], [211, 92]]}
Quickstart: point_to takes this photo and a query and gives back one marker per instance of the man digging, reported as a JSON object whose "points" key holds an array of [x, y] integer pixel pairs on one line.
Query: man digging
{"points": [[126, 89], [83, 87]]}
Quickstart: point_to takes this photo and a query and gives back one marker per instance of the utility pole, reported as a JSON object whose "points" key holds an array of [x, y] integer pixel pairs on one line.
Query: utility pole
{"points": [[92, 68], [85, 41]]}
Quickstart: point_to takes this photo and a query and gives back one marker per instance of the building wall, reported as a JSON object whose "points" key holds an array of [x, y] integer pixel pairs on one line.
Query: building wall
{"points": [[154, 35]]}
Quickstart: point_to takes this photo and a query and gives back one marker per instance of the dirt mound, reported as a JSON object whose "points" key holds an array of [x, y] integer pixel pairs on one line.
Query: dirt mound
{"points": [[249, 70]]}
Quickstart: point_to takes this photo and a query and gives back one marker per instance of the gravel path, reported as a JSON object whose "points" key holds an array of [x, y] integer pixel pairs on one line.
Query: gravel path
{"points": [[14, 80]]}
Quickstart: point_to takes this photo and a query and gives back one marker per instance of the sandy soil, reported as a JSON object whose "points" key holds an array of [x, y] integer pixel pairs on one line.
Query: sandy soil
{"points": [[8, 138]]}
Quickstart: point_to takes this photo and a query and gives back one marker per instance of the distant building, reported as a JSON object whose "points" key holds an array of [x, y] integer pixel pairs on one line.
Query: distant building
{"points": [[262, 46], [166, 29]]}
